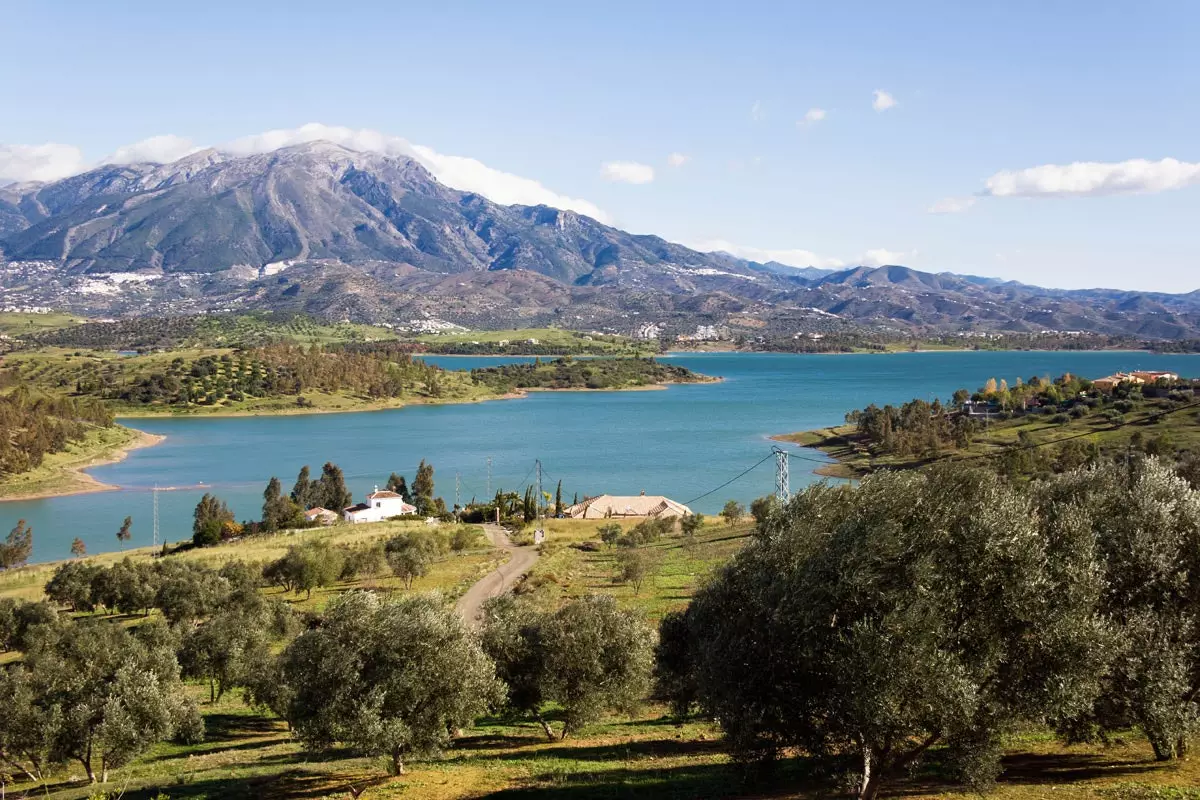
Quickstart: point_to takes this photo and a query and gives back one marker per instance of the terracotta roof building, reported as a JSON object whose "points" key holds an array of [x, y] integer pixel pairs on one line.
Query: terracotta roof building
{"points": [[643, 505]]}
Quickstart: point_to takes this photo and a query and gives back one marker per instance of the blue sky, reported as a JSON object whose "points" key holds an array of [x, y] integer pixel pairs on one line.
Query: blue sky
{"points": [[552, 92]]}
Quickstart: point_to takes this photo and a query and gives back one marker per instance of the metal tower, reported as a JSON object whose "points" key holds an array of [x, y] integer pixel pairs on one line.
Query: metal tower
{"points": [[538, 463], [783, 492], [489, 485], [457, 490], [156, 515]]}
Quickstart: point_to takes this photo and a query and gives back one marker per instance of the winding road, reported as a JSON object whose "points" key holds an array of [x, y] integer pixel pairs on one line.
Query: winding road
{"points": [[499, 580]]}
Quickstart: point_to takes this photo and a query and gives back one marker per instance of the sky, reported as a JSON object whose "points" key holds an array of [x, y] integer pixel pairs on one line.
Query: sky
{"points": [[1051, 143]]}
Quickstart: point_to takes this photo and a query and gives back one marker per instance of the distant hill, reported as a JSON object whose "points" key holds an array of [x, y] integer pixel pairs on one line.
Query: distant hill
{"points": [[343, 234]]}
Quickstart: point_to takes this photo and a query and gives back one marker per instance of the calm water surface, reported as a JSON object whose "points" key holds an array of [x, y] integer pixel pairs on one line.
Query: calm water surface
{"points": [[681, 442]]}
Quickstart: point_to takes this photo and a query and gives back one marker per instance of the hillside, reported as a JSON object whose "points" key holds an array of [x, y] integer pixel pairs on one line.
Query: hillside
{"points": [[348, 235]]}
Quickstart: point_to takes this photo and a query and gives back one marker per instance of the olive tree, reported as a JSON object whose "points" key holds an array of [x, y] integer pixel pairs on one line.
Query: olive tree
{"points": [[189, 591], [21, 622], [71, 585], [876, 622], [224, 650], [588, 657], [106, 693], [1142, 523], [391, 678], [307, 567], [25, 728]]}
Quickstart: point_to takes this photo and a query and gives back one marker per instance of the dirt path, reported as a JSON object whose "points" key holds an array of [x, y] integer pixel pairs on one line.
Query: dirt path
{"points": [[499, 580]]}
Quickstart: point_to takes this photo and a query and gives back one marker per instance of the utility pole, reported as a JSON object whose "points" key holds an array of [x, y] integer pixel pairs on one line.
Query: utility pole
{"points": [[457, 490], [782, 490], [156, 515], [489, 484], [538, 463]]}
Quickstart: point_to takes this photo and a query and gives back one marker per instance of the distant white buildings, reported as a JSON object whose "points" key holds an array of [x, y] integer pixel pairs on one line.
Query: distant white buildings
{"points": [[705, 333], [377, 507], [649, 331]]}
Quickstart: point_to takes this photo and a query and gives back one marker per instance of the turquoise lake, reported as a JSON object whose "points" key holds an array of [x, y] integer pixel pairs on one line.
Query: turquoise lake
{"points": [[681, 442]]}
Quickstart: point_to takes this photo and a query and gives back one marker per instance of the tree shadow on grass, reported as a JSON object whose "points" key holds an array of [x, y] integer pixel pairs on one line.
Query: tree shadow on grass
{"points": [[618, 751], [674, 783], [228, 727], [1032, 768], [293, 785], [1027, 769]]}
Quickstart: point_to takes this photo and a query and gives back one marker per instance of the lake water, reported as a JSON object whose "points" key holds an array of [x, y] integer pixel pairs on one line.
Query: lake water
{"points": [[681, 442]]}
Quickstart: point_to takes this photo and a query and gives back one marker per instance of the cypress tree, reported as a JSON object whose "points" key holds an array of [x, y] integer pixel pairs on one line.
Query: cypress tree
{"points": [[332, 490], [272, 505], [302, 491], [124, 535]]}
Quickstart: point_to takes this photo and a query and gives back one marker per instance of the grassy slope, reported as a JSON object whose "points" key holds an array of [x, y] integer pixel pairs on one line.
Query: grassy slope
{"points": [[856, 459], [54, 369], [248, 755], [15, 323], [60, 473]]}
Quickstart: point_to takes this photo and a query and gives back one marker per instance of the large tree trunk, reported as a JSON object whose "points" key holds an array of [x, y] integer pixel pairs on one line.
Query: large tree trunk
{"points": [[397, 762], [545, 726], [868, 788], [18, 765], [87, 767]]}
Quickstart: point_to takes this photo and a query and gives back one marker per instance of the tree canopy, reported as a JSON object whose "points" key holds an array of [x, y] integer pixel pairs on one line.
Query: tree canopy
{"points": [[386, 677]]}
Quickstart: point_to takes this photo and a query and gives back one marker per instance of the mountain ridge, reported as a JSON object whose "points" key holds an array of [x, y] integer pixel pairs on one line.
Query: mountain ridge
{"points": [[327, 230]]}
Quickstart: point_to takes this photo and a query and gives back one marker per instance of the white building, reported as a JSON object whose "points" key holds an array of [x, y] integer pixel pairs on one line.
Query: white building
{"points": [[378, 507]]}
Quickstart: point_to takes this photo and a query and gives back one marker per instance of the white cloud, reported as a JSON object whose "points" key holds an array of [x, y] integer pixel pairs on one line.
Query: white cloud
{"points": [[879, 257], [1094, 178], [470, 175], [812, 117], [678, 159], [952, 205], [627, 172], [458, 172], [54, 161], [757, 112], [39, 162], [156, 149], [796, 257], [791, 257], [883, 100]]}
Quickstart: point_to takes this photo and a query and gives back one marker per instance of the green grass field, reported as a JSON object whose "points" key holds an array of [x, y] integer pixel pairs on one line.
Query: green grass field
{"points": [[13, 323]]}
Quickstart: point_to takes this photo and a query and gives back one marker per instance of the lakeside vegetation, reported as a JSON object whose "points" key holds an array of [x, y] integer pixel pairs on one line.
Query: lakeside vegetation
{"points": [[1031, 429], [39, 433], [599, 373], [533, 342]]}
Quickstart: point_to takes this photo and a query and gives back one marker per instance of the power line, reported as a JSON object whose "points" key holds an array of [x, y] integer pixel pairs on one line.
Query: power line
{"points": [[764, 459]]}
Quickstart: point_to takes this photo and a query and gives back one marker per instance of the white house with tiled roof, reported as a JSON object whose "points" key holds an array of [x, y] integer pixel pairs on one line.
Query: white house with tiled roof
{"points": [[377, 507]]}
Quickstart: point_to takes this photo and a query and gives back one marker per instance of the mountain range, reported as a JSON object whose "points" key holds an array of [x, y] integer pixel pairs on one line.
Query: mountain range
{"points": [[344, 234]]}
